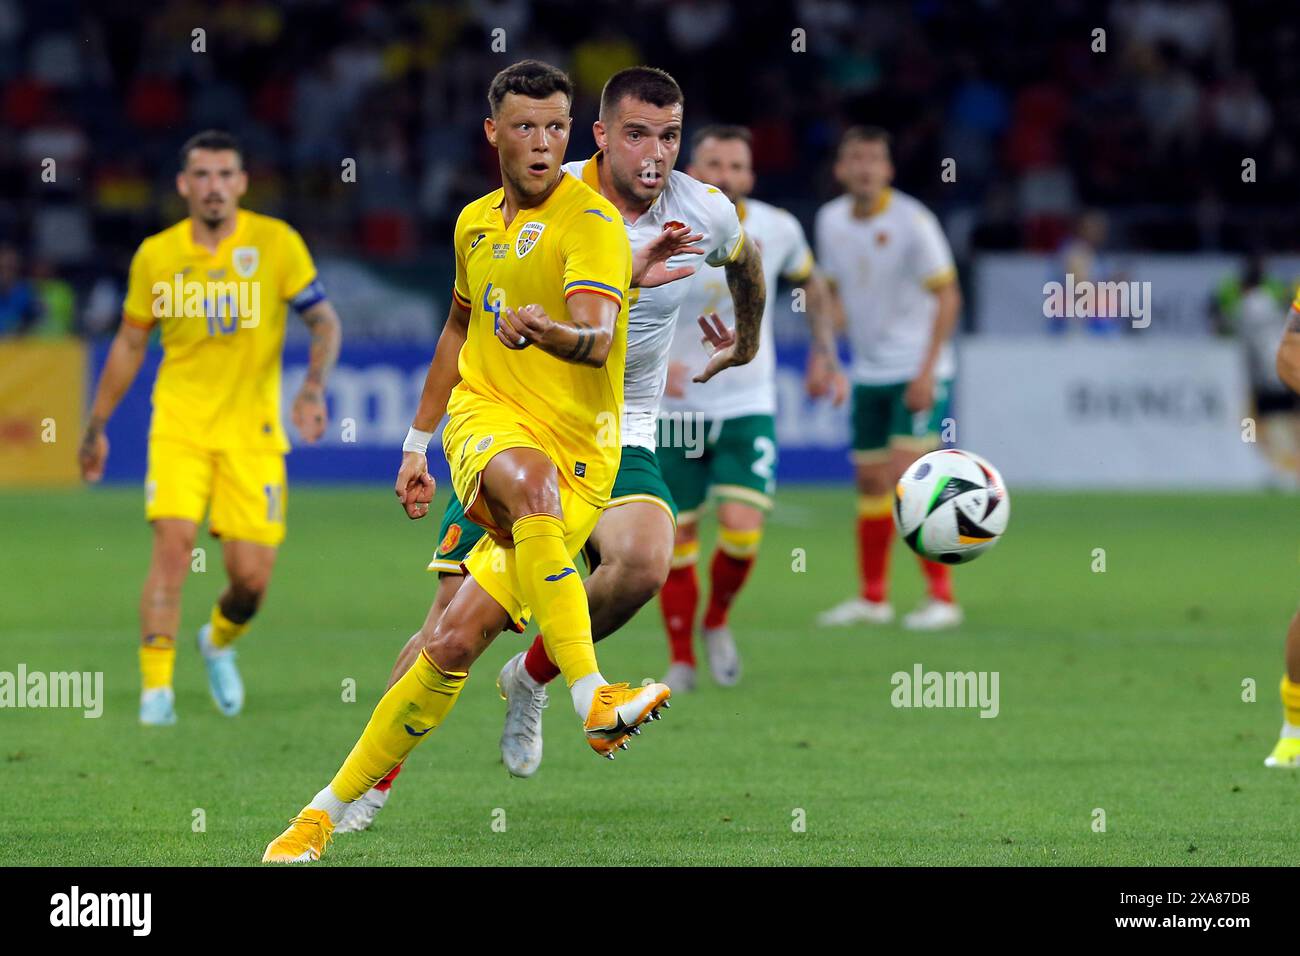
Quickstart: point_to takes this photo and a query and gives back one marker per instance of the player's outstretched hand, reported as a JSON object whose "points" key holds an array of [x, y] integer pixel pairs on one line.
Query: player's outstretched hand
{"points": [[309, 413], [93, 454], [650, 262], [520, 328], [415, 485], [720, 341]]}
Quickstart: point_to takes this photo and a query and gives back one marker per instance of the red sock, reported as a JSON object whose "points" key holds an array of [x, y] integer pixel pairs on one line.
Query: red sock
{"points": [[726, 575], [938, 579], [678, 599], [874, 537], [389, 778], [539, 666]]}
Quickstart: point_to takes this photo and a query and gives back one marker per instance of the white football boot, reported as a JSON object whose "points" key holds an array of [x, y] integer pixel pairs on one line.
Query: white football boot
{"points": [[680, 677], [521, 738], [158, 707], [361, 813], [933, 615], [857, 610], [724, 659]]}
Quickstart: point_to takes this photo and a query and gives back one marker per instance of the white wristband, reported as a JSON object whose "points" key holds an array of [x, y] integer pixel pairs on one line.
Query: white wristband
{"points": [[417, 441]]}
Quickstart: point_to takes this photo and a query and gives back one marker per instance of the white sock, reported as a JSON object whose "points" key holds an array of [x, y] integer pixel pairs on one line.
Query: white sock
{"points": [[583, 690], [1290, 730], [332, 805]]}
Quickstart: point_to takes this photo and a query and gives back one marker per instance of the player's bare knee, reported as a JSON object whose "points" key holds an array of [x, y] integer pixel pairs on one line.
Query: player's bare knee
{"points": [[451, 645], [640, 580]]}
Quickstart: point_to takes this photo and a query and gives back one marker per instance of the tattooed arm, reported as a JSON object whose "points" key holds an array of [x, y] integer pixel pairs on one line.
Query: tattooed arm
{"points": [[1288, 352], [748, 295], [309, 414], [825, 312], [584, 340]]}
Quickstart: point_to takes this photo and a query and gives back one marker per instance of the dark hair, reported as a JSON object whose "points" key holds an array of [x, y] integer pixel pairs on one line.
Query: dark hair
{"points": [[866, 134], [645, 83], [210, 139], [531, 78], [723, 132]]}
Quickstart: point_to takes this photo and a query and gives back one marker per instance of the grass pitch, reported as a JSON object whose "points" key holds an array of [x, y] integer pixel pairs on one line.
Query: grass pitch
{"points": [[1120, 691]]}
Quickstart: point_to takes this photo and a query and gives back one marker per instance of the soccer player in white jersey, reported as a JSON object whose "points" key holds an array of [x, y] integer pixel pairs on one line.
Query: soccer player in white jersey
{"points": [[717, 440], [892, 271], [630, 552]]}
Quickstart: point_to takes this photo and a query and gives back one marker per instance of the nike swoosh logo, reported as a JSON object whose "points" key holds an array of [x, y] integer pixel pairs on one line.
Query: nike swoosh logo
{"points": [[416, 733], [597, 212], [563, 574]]}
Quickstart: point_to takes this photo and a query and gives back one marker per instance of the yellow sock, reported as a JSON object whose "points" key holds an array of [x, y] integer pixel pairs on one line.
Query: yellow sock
{"points": [[224, 630], [686, 553], [875, 506], [553, 588], [417, 703], [1291, 701], [739, 544], [157, 660]]}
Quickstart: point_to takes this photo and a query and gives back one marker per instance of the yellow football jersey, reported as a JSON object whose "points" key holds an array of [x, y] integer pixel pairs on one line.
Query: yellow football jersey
{"points": [[222, 316], [573, 242]]}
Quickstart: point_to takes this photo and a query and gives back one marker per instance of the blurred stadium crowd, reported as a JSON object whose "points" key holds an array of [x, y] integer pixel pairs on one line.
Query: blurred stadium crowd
{"points": [[1153, 130]]}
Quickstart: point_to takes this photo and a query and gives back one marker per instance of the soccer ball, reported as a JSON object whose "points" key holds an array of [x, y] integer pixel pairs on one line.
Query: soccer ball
{"points": [[951, 506]]}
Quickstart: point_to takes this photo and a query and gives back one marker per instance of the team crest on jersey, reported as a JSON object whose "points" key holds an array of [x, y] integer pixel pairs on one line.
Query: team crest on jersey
{"points": [[484, 443], [529, 233], [245, 260], [450, 539]]}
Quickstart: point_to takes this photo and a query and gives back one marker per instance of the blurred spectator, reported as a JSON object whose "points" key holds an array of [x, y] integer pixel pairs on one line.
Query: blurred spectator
{"points": [[1081, 261], [19, 305]]}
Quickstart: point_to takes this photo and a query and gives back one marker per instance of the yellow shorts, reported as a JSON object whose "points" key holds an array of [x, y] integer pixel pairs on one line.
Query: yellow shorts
{"points": [[246, 489], [470, 441]]}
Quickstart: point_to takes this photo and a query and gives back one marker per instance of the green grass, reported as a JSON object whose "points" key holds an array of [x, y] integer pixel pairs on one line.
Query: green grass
{"points": [[1119, 690]]}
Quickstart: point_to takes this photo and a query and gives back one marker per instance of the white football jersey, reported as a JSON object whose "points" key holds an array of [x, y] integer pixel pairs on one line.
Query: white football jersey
{"points": [[885, 268], [746, 389], [652, 316]]}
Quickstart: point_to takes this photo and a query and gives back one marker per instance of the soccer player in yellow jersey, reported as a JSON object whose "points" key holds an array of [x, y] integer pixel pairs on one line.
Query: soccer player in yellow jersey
{"points": [[218, 284], [529, 369]]}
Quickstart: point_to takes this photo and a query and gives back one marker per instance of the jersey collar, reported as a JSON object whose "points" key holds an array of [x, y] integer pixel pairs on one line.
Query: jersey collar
{"points": [[879, 206], [241, 224]]}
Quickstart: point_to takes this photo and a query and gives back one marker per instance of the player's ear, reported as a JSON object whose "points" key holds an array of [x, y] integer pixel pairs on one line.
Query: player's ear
{"points": [[182, 185], [241, 183], [490, 130], [598, 133]]}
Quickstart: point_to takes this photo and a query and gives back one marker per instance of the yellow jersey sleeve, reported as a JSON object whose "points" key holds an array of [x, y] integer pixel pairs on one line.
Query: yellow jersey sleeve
{"points": [[137, 308], [460, 287], [597, 254], [299, 269]]}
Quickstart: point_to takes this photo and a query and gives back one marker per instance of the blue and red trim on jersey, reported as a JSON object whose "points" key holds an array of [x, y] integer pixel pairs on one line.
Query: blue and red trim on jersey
{"points": [[459, 299], [591, 285]]}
